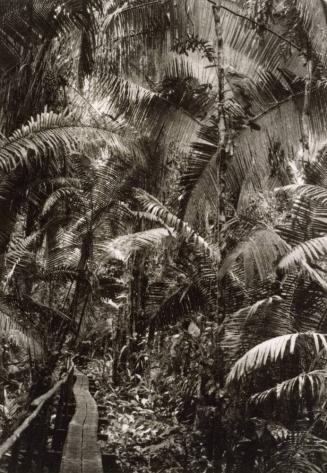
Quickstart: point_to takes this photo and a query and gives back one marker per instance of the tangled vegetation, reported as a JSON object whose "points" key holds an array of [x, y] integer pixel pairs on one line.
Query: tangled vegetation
{"points": [[163, 222]]}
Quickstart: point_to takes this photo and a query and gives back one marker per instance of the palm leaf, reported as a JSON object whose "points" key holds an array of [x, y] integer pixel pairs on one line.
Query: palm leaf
{"points": [[296, 388], [273, 350], [53, 132], [300, 452], [152, 205], [304, 254], [157, 23], [58, 195], [249, 326], [179, 305], [314, 22], [20, 253], [259, 254], [308, 214], [23, 334], [136, 107], [124, 246]]}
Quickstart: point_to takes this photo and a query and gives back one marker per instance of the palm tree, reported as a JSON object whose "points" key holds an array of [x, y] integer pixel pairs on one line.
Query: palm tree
{"points": [[153, 95]]}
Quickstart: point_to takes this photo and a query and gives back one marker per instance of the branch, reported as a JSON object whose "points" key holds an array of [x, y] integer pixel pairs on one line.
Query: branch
{"points": [[258, 24], [38, 403]]}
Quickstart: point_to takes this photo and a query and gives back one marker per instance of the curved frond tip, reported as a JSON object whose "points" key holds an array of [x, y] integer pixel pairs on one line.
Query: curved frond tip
{"points": [[272, 350], [314, 382], [154, 207], [307, 252]]}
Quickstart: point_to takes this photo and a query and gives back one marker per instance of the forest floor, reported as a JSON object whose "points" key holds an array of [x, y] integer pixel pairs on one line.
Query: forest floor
{"points": [[143, 434]]}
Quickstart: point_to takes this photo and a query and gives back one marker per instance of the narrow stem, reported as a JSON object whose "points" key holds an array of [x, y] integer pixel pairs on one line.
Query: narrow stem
{"points": [[264, 27], [221, 135], [306, 105]]}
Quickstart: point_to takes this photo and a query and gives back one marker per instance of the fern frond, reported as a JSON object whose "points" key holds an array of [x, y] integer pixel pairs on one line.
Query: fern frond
{"points": [[272, 350]]}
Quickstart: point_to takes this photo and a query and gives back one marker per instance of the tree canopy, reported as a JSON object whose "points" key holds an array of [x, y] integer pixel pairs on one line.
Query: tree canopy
{"points": [[163, 206]]}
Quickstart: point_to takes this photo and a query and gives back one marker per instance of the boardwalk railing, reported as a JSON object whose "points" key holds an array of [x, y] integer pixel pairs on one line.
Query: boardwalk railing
{"points": [[60, 434]]}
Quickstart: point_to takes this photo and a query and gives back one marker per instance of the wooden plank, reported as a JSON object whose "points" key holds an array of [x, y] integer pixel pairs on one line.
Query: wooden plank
{"points": [[81, 452]]}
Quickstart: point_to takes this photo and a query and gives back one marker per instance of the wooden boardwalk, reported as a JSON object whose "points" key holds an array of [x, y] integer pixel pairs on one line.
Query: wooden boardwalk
{"points": [[81, 453]]}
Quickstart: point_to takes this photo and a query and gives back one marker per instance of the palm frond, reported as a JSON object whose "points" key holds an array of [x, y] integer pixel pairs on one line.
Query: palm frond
{"points": [[22, 334], [316, 169], [160, 24], [314, 22], [249, 326], [304, 254], [20, 253], [300, 452], [259, 254], [308, 214], [152, 205], [136, 108], [124, 246], [182, 303], [138, 18], [25, 21], [272, 350], [314, 383], [53, 132], [57, 196]]}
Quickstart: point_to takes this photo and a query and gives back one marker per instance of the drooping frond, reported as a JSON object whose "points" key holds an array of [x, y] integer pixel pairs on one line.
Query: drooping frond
{"points": [[259, 254], [309, 305], [272, 350], [181, 304], [122, 247], [51, 132], [22, 334], [259, 155], [308, 214], [161, 24], [152, 205], [20, 253], [136, 107], [312, 192], [251, 325], [58, 195], [314, 21], [314, 383], [202, 271], [316, 169], [305, 253], [262, 153], [141, 18], [300, 452], [26, 21]]}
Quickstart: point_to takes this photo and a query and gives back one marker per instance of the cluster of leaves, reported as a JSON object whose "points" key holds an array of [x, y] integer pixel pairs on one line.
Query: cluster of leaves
{"points": [[193, 43], [142, 434]]}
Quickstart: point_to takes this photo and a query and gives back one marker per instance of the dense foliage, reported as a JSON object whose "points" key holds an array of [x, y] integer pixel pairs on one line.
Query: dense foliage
{"points": [[163, 203]]}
